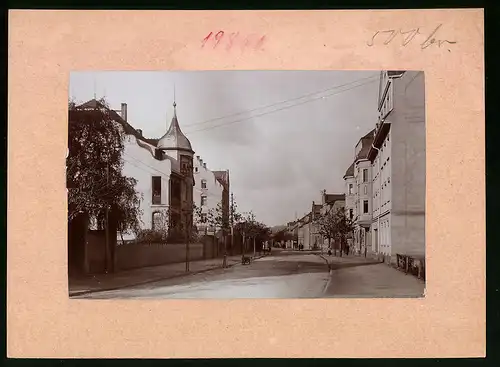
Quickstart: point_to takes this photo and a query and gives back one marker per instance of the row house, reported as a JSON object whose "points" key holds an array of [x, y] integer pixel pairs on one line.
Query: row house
{"points": [[330, 203], [208, 195], [308, 233], [358, 191], [397, 156]]}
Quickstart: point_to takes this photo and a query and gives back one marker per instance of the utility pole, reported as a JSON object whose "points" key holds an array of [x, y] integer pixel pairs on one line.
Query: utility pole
{"points": [[184, 228], [107, 252], [231, 219]]}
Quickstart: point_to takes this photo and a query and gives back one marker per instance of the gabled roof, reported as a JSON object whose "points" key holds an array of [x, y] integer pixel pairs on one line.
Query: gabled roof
{"points": [[317, 208], [304, 220], [129, 130], [222, 177]]}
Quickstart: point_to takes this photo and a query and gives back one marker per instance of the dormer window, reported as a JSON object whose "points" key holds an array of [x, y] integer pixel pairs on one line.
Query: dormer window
{"points": [[203, 184]]}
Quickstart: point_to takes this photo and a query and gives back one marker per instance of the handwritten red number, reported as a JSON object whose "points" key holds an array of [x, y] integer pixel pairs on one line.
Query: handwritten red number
{"points": [[206, 39], [232, 37], [218, 37]]}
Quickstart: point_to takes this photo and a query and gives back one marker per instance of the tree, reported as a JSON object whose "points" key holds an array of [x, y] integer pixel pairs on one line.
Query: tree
{"points": [[250, 228], [335, 225], [94, 165]]}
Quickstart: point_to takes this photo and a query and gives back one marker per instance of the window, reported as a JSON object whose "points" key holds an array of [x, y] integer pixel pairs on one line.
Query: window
{"points": [[203, 184], [156, 188], [351, 214], [156, 223], [203, 200], [365, 175], [365, 206], [350, 189], [196, 169], [366, 190], [203, 217]]}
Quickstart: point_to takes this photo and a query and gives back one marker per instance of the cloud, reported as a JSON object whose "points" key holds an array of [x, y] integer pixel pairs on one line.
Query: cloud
{"points": [[278, 161]]}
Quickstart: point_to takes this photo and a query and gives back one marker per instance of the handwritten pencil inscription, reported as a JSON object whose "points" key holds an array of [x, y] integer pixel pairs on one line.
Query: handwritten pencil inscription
{"points": [[406, 36], [230, 40]]}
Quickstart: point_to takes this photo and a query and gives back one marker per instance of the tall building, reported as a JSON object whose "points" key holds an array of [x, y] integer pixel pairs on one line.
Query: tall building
{"points": [[397, 156], [358, 191]]}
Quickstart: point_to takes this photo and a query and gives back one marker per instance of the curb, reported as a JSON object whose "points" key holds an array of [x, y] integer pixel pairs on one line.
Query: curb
{"points": [[82, 293], [327, 263]]}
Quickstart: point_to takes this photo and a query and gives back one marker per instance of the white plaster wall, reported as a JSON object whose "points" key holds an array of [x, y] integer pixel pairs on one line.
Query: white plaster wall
{"points": [[408, 165], [363, 190], [140, 164], [350, 199], [213, 190]]}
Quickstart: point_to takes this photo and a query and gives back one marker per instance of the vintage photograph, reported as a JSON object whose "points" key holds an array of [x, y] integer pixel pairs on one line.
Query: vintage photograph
{"points": [[246, 184]]}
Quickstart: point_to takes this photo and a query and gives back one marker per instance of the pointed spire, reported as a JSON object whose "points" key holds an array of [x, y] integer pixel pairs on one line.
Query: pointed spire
{"points": [[174, 138]]}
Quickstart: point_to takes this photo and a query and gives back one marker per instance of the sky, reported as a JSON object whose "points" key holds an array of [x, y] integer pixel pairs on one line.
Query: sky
{"points": [[284, 135]]}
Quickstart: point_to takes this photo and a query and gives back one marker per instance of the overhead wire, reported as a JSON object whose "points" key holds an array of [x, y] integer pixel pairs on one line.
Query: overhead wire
{"points": [[276, 110], [282, 102]]}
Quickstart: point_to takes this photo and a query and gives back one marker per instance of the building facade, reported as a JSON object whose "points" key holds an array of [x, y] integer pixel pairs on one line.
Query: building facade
{"points": [[164, 170], [308, 234], [363, 194], [398, 165], [358, 186], [330, 203], [208, 192]]}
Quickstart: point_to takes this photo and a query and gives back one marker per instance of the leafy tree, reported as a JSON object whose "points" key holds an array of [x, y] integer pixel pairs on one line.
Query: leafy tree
{"points": [[335, 225], [250, 228], [94, 168]]}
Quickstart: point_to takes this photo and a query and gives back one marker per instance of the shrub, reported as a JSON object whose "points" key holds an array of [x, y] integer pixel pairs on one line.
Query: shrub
{"points": [[150, 235]]}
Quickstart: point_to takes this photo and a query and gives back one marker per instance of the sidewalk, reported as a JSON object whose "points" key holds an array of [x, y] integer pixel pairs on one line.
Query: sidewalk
{"points": [[346, 261], [134, 277], [360, 277]]}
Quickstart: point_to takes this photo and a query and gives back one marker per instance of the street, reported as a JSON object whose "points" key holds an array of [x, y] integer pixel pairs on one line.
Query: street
{"points": [[283, 274], [280, 275]]}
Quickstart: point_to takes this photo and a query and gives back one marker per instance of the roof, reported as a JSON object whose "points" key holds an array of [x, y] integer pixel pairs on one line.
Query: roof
{"points": [[222, 177], [332, 198], [174, 139], [350, 171], [304, 220], [129, 130], [366, 143]]}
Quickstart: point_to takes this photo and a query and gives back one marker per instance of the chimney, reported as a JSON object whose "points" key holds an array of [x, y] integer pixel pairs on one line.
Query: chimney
{"points": [[201, 161], [139, 131], [204, 165], [124, 111], [198, 157]]}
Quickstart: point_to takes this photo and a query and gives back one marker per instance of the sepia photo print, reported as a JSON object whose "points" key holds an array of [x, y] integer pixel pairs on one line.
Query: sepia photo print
{"points": [[246, 184]]}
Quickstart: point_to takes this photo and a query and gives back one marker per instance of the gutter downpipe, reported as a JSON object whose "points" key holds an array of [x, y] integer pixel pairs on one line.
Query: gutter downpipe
{"points": [[379, 231]]}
